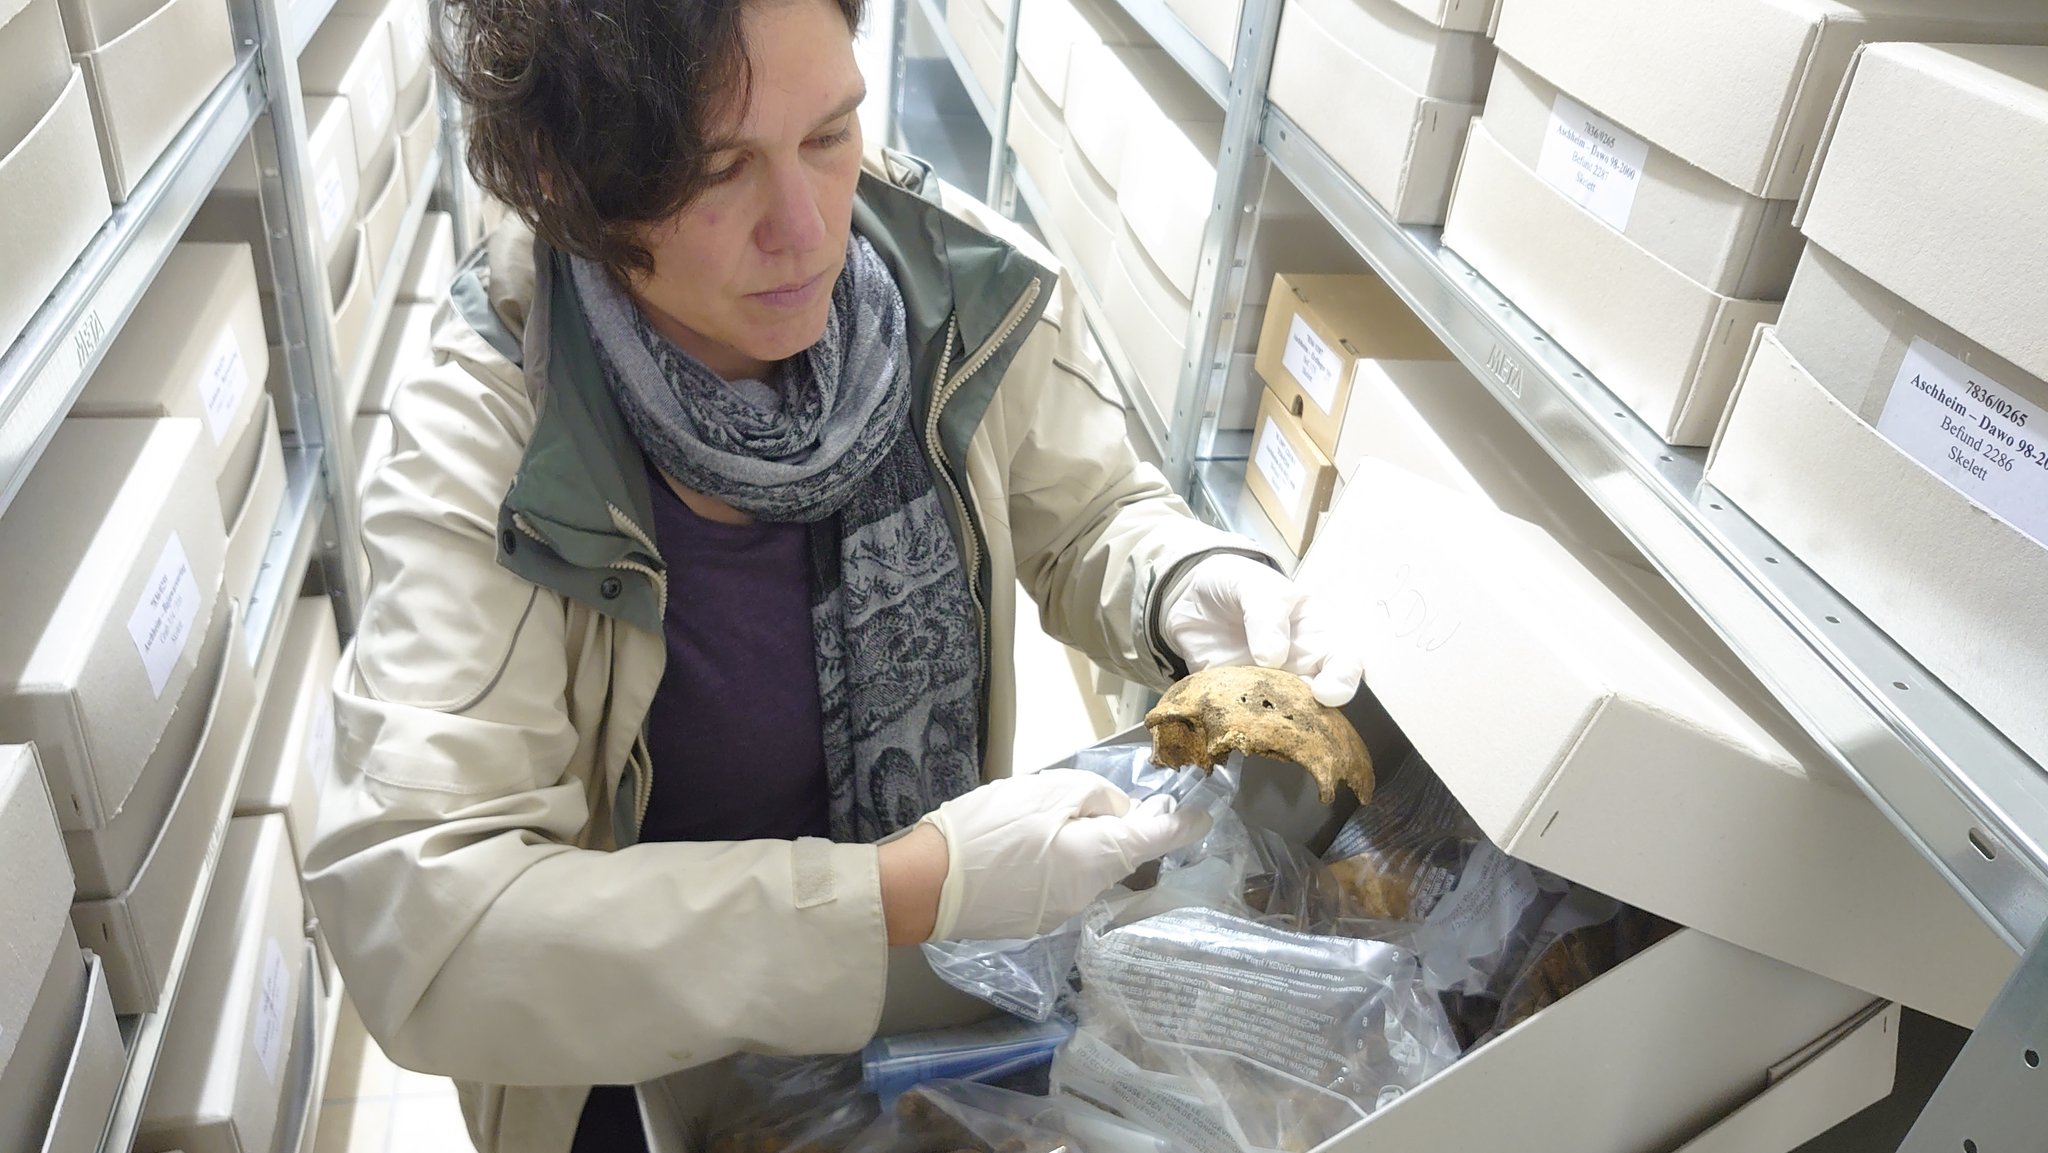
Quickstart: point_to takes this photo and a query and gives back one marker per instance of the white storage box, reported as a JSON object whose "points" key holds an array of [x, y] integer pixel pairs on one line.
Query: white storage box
{"points": [[137, 929], [1454, 15], [114, 551], [1036, 132], [67, 1061], [1740, 88], [255, 522], [50, 174], [408, 349], [337, 182], [1050, 30], [221, 1080], [979, 36], [1164, 194], [431, 267], [292, 755], [385, 193], [1110, 88], [1666, 345], [1149, 318], [1959, 587], [1085, 218], [352, 286], [350, 57], [35, 900], [373, 443], [147, 69], [1214, 23], [1592, 726], [1400, 143], [194, 347], [419, 129]]}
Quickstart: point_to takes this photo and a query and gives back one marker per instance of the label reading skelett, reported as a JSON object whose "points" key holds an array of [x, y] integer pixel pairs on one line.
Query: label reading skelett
{"points": [[1594, 162], [1981, 437], [162, 620]]}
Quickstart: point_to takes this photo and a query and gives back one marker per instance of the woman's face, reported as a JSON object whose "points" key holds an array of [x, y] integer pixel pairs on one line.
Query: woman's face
{"points": [[743, 276]]}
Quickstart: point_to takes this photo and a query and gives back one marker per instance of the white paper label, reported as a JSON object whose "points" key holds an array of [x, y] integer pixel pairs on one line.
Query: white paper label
{"points": [[320, 738], [223, 385], [1984, 439], [1281, 466], [1313, 364], [1592, 160], [333, 201], [162, 621], [273, 990], [377, 101]]}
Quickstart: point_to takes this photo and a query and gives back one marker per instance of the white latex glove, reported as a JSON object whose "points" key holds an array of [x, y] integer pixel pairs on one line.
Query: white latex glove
{"points": [[1236, 611], [1026, 853]]}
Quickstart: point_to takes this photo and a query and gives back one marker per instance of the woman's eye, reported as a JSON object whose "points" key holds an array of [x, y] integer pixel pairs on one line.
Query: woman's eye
{"points": [[722, 175], [830, 139]]}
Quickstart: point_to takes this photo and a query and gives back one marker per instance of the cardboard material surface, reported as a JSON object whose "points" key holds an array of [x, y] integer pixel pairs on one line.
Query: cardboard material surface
{"points": [[1318, 328], [137, 930], [1400, 146], [1036, 131], [1667, 346], [1164, 193], [350, 56], [1532, 679], [92, 1074], [1423, 58], [406, 352], [1957, 586], [336, 177], [1085, 217], [1111, 88], [431, 267], [221, 1084], [1709, 230], [1050, 30], [384, 205], [33, 1077], [250, 532], [1214, 23], [194, 347], [1962, 115], [292, 754], [147, 82], [38, 892], [50, 172], [354, 292], [1149, 318], [115, 548], [1740, 88], [373, 447], [1455, 15], [420, 130], [979, 36], [1288, 474]]}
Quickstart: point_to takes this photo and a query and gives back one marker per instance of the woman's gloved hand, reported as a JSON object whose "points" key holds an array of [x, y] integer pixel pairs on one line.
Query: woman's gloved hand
{"points": [[1237, 611], [1025, 854]]}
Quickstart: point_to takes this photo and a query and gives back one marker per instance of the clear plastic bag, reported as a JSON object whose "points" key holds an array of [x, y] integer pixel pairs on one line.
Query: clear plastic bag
{"points": [[962, 1117], [1584, 936], [791, 1105], [990, 1051], [1248, 1036]]}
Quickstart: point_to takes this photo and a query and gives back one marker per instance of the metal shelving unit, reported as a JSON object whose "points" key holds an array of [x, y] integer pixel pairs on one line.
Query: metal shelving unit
{"points": [[42, 373], [289, 553], [935, 15], [1220, 497], [1171, 33]]}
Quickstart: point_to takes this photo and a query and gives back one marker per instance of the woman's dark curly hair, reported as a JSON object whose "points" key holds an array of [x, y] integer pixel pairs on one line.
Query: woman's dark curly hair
{"points": [[588, 118]]}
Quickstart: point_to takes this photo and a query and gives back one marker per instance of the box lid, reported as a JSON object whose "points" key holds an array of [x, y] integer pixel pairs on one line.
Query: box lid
{"points": [[36, 900], [90, 24], [1169, 178], [1977, 218], [293, 751], [1593, 726], [1407, 46], [1111, 87], [34, 68], [1740, 88]]}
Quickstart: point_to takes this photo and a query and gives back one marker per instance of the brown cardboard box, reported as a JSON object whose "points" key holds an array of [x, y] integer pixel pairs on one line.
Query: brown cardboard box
{"points": [[1288, 473], [1317, 330]]}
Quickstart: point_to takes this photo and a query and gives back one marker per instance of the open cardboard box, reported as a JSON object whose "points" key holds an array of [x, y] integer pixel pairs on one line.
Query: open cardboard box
{"points": [[114, 551], [146, 72], [137, 930], [57, 1088], [50, 173], [1593, 727], [37, 896]]}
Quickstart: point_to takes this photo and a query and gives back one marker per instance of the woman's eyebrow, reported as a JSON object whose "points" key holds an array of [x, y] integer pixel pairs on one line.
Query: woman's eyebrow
{"points": [[845, 108]]}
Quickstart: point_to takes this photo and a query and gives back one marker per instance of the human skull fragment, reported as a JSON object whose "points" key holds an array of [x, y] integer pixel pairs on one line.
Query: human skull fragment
{"points": [[1259, 712]]}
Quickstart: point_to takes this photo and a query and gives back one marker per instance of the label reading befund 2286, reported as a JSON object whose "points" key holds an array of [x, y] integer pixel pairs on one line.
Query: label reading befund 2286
{"points": [[1984, 439]]}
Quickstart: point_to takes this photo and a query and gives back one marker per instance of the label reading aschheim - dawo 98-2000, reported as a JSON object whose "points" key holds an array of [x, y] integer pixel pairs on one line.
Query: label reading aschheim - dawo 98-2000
{"points": [[1985, 439]]}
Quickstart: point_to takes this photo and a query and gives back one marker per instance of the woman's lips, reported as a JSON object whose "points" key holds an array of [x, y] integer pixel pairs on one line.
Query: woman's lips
{"points": [[792, 295]]}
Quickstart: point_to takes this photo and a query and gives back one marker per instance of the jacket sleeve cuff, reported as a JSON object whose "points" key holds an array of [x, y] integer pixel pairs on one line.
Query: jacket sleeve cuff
{"points": [[1167, 589]]}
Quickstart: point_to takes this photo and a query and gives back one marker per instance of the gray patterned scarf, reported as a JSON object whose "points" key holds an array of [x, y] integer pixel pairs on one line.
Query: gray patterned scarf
{"points": [[828, 445]]}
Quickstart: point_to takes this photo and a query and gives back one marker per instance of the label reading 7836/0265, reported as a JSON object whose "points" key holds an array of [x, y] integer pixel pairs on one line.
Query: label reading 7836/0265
{"points": [[1981, 437]]}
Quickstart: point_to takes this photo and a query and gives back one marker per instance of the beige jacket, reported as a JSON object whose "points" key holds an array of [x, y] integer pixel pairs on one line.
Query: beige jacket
{"points": [[475, 867]]}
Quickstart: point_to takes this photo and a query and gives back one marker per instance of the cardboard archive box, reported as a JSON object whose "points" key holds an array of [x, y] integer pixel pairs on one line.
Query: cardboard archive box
{"points": [[1318, 328], [337, 172], [431, 268], [419, 127], [373, 444], [50, 173], [292, 754], [1892, 431], [1644, 237], [194, 346], [352, 293], [1049, 32], [35, 903], [1113, 89], [979, 35], [406, 351], [114, 550], [350, 57], [148, 67], [1214, 23], [1386, 92], [1036, 131], [134, 925], [386, 197], [1288, 474], [221, 1084], [1594, 726], [57, 1086]]}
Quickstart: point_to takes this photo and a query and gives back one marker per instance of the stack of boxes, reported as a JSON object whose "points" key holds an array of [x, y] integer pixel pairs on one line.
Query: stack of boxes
{"points": [[147, 68], [1214, 24], [1892, 429], [978, 28]]}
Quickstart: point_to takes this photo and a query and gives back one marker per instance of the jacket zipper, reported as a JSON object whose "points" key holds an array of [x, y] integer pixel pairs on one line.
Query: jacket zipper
{"points": [[946, 391]]}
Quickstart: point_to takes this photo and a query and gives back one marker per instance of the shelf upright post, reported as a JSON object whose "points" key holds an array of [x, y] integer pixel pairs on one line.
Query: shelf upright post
{"points": [[454, 133], [899, 72], [1993, 1099], [299, 277], [1002, 191], [1212, 324]]}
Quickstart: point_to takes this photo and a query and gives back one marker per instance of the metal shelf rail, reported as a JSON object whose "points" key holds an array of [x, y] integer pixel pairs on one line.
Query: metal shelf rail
{"points": [[1171, 33], [935, 17], [47, 366]]}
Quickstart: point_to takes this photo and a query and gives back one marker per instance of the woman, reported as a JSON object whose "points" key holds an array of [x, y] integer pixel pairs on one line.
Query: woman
{"points": [[692, 574]]}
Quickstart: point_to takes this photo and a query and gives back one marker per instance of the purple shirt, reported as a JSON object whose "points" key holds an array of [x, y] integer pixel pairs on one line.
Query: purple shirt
{"points": [[735, 731]]}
